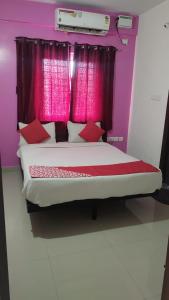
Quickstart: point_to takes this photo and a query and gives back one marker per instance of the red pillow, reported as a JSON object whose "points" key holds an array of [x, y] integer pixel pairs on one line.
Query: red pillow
{"points": [[91, 132], [34, 132]]}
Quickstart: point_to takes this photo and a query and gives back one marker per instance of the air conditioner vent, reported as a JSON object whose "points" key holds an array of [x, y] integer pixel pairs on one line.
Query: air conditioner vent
{"points": [[81, 30]]}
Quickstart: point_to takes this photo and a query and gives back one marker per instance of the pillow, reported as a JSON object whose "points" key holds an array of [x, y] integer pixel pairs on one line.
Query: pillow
{"points": [[73, 132], [91, 132], [35, 132], [50, 128]]}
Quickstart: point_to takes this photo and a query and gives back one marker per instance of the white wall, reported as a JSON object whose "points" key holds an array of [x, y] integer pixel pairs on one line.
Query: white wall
{"points": [[151, 81]]}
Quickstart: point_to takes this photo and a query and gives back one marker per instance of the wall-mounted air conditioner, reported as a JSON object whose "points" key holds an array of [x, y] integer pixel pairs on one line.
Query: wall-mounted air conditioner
{"points": [[81, 22]]}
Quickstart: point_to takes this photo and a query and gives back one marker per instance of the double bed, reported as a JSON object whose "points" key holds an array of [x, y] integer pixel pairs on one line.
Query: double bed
{"points": [[47, 191]]}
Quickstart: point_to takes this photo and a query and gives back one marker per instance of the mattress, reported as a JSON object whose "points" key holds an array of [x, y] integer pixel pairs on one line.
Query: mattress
{"points": [[49, 191]]}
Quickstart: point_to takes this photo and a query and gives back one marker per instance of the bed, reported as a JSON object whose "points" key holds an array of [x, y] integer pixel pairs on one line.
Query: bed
{"points": [[45, 192]]}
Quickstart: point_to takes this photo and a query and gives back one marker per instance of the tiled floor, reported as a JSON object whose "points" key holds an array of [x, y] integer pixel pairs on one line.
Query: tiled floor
{"points": [[63, 255]]}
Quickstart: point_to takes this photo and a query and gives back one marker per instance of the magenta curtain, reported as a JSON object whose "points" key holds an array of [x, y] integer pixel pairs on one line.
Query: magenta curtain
{"points": [[86, 85], [92, 84], [43, 81], [58, 82], [52, 76]]}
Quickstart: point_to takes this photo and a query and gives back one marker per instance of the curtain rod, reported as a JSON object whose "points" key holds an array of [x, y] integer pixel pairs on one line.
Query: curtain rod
{"points": [[51, 42]]}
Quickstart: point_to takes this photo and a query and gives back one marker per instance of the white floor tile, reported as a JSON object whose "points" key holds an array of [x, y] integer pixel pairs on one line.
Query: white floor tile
{"points": [[65, 255], [76, 243], [128, 234], [148, 210], [31, 280], [158, 297], [159, 228], [145, 263], [28, 246], [92, 275]]}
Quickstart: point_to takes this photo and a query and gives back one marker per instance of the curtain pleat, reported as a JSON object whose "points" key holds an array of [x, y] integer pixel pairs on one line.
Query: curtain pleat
{"points": [[108, 71], [25, 80], [92, 84]]}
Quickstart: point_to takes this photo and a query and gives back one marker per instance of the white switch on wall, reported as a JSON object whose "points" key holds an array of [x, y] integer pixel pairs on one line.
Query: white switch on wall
{"points": [[115, 139], [125, 42]]}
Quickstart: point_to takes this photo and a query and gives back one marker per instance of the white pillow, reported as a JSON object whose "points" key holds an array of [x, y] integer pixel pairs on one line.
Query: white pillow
{"points": [[73, 132], [50, 128]]}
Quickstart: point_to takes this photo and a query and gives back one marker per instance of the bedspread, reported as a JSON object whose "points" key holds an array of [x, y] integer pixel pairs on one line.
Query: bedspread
{"points": [[49, 191]]}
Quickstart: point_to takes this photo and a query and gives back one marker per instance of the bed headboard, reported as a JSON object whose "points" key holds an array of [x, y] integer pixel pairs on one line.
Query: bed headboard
{"points": [[61, 132]]}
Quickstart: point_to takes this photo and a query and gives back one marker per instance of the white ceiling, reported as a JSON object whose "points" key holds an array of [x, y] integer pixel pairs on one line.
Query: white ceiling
{"points": [[133, 6]]}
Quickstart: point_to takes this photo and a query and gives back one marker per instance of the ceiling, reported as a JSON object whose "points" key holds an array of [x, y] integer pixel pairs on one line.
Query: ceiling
{"points": [[133, 6]]}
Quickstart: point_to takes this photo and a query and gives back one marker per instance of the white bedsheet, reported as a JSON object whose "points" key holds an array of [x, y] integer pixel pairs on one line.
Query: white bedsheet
{"points": [[48, 191]]}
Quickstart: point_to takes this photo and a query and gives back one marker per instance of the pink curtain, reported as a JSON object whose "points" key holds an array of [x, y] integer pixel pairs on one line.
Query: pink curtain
{"points": [[92, 84], [52, 76], [86, 85]]}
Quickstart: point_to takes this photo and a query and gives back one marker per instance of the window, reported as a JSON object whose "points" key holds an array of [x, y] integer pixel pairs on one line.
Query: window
{"points": [[57, 90], [60, 82]]}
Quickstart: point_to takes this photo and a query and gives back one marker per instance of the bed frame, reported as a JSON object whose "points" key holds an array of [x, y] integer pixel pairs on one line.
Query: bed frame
{"points": [[92, 203]]}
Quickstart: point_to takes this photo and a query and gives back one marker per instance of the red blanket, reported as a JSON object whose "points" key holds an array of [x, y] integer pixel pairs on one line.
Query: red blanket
{"points": [[89, 171]]}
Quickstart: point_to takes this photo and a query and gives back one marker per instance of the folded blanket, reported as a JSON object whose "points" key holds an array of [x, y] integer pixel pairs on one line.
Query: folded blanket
{"points": [[89, 171]]}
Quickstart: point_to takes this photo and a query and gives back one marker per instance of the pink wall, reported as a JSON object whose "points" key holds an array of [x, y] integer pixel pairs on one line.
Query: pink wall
{"points": [[21, 18]]}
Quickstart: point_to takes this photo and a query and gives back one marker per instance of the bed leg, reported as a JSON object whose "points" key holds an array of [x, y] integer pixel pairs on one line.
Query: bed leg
{"points": [[94, 212]]}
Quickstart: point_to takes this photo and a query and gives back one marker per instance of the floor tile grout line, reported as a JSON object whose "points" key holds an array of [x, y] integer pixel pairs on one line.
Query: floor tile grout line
{"points": [[52, 271], [151, 238], [78, 251], [107, 245], [125, 243], [54, 279]]}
